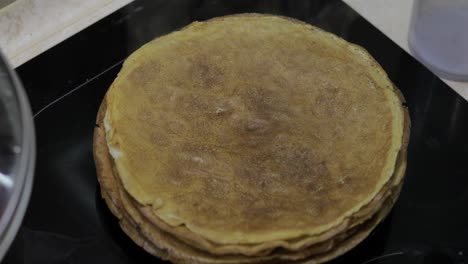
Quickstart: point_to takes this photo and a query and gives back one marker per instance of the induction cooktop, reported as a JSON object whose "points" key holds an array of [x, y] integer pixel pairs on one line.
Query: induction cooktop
{"points": [[68, 222]]}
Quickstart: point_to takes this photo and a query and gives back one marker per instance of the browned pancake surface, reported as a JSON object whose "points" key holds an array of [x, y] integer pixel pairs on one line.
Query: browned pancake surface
{"points": [[249, 129]]}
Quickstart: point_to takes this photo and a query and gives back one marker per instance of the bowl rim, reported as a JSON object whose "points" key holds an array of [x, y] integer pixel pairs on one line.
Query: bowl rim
{"points": [[21, 191]]}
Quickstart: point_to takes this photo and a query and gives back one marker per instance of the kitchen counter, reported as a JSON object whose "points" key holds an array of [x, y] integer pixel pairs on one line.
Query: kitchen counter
{"points": [[68, 222]]}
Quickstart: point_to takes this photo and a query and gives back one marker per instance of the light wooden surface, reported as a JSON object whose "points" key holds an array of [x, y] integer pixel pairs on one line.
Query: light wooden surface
{"points": [[30, 27]]}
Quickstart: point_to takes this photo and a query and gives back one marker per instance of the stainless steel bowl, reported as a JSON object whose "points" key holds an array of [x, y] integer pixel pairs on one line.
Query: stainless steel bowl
{"points": [[17, 154]]}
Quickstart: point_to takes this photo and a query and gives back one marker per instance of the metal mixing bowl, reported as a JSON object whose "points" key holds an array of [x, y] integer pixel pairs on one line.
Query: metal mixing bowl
{"points": [[17, 154]]}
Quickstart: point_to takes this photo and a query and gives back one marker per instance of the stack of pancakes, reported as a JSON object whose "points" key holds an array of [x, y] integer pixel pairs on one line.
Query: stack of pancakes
{"points": [[250, 139]]}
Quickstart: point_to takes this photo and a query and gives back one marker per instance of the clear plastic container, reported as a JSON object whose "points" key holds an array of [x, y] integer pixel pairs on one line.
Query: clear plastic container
{"points": [[17, 154], [438, 36]]}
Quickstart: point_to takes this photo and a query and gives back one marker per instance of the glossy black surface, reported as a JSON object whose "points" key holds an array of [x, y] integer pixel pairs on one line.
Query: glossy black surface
{"points": [[67, 221]]}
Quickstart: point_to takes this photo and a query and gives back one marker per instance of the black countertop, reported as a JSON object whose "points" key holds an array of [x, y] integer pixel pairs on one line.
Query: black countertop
{"points": [[68, 222]]}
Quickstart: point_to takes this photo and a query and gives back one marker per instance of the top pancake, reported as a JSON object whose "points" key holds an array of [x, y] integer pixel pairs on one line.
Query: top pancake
{"points": [[253, 128]]}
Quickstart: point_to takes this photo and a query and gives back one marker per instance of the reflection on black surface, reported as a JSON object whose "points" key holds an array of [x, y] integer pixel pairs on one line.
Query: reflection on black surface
{"points": [[429, 223]]}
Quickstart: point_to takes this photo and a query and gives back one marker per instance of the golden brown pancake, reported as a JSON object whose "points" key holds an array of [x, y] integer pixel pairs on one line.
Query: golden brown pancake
{"points": [[248, 129], [250, 138]]}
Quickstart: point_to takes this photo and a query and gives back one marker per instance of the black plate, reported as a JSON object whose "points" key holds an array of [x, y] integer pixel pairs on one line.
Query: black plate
{"points": [[67, 221]]}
